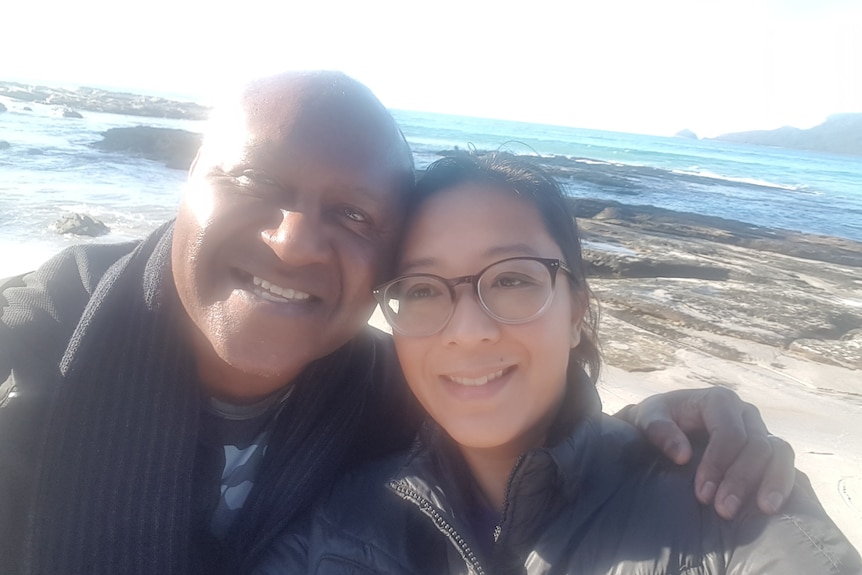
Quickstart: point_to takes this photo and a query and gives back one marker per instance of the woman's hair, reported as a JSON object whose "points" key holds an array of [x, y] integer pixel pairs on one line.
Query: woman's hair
{"points": [[534, 184]]}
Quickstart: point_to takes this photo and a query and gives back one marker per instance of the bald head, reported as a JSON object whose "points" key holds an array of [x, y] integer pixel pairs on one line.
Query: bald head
{"points": [[337, 111], [290, 218]]}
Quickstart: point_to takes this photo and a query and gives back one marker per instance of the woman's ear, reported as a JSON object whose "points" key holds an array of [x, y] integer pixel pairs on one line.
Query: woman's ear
{"points": [[580, 301]]}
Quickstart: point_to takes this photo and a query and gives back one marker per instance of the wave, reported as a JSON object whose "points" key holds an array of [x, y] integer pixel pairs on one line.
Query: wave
{"points": [[694, 171]]}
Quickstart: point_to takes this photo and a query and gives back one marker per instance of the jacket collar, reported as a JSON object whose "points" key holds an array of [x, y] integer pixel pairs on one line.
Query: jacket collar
{"points": [[543, 482]]}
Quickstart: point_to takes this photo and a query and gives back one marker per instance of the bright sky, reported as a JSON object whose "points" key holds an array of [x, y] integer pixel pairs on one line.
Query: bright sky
{"points": [[657, 66]]}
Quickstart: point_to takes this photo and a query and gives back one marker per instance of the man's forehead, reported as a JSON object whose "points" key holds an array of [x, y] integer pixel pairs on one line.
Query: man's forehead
{"points": [[327, 112]]}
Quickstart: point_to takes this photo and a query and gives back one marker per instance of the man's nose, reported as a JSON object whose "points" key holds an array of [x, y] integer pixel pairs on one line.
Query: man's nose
{"points": [[298, 238], [469, 324]]}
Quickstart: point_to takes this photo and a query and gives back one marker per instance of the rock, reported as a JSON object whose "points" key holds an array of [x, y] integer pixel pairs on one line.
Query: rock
{"points": [[609, 213], [4, 144], [176, 148], [68, 112], [81, 224], [686, 133], [27, 109], [714, 229], [2, 107]]}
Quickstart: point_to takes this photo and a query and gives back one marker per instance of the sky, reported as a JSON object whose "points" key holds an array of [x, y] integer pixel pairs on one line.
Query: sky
{"points": [[653, 67]]}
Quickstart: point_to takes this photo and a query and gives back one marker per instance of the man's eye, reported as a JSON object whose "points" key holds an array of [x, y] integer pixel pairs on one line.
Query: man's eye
{"points": [[354, 215], [252, 177]]}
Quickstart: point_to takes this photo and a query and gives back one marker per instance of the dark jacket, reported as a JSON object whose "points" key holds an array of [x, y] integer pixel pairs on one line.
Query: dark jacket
{"points": [[99, 412], [599, 501]]}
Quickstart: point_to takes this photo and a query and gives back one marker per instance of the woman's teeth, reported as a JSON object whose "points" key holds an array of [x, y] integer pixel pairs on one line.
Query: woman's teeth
{"points": [[476, 381], [267, 290]]}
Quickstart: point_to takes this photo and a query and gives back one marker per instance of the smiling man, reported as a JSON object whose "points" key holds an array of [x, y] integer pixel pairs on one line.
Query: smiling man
{"points": [[173, 405]]}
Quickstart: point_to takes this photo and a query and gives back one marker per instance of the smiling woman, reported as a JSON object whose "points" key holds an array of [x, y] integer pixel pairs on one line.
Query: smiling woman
{"points": [[517, 469]]}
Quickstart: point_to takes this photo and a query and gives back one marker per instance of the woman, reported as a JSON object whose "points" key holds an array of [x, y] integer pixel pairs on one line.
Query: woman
{"points": [[517, 470]]}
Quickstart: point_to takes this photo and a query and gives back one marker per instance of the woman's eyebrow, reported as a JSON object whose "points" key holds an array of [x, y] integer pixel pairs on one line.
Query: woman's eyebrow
{"points": [[407, 266], [508, 250], [519, 249]]}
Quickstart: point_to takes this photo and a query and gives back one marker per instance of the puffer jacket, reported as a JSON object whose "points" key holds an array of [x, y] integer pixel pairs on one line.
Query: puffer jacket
{"points": [[599, 501]]}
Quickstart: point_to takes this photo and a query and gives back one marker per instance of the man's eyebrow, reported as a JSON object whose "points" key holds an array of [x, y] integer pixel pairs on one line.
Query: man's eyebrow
{"points": [[504, 251]]}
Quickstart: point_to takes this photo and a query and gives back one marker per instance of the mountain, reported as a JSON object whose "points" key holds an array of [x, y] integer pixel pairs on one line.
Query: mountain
{"points": [[839, 134]]}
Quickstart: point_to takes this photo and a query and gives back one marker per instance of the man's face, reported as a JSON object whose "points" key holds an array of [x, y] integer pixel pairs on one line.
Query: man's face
{"points": [[290, 217]]}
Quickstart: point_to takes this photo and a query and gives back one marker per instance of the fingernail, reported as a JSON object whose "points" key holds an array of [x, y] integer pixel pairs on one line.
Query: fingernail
{"points": [[707, 492], [774, 501], [731, 505]]}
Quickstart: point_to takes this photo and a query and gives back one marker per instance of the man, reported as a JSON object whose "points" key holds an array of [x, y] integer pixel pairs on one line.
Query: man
{"points": [[171, 406]]}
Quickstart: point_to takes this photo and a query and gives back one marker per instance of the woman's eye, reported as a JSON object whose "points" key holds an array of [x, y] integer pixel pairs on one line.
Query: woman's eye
{"points": [[512, 281], [421, 291]]}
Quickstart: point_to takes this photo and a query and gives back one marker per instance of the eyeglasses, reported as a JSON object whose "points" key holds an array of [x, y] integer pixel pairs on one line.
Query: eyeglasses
{"points": [[513, 290]]}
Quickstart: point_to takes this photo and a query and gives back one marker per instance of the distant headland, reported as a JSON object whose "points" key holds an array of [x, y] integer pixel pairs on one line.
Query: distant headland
{"points": [[97, 100], [839, 134]]}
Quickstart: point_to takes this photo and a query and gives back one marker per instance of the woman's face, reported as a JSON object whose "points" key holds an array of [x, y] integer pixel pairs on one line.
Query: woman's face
{"points": [[488, 384]]}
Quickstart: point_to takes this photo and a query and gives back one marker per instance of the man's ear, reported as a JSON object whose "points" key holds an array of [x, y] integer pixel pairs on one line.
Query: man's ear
{"points": [[580, 301]]}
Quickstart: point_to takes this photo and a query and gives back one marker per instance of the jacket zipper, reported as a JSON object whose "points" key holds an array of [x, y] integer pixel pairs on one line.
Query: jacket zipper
{"points": [[441, 524], [498, 530]]}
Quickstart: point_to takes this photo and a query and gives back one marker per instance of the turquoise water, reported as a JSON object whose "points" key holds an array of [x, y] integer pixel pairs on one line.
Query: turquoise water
{"points": [[49, 168]]}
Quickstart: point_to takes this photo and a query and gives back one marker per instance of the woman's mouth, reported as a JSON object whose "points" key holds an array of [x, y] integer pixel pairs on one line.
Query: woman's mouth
{"points": [[479, 381]]}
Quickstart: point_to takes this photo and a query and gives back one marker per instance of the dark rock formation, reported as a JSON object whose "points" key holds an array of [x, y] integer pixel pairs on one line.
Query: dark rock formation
{"points": [[669, 280], [96, 100], [4, 144], [2, 107], [81, 225], [686, 133], [176, 148], [839, 134], [730, 232]]}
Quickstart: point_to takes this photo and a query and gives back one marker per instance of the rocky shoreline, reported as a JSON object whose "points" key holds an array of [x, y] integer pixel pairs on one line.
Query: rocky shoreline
{"points": [[687, 277], [69, 102], [685, 304]]}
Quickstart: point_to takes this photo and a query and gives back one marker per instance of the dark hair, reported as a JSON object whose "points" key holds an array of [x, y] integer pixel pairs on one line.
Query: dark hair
{"points": [[534, 184]]}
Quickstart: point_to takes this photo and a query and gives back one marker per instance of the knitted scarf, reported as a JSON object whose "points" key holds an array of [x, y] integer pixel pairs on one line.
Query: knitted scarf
{"points": [[114, 481]]}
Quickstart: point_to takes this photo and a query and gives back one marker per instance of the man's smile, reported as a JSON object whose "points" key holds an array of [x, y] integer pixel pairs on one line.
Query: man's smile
{"points": [[273, 292]]}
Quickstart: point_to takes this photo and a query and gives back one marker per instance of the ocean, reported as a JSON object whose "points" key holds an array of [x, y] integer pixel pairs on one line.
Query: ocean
{"points": [[49, 168]]}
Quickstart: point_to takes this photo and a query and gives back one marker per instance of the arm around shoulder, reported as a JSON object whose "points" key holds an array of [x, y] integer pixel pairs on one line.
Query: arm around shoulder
{"points": [[801, 540]]}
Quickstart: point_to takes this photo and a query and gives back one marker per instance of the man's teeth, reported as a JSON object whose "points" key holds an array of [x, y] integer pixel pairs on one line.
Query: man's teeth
{"points": [[267, 290], [476, 381]]}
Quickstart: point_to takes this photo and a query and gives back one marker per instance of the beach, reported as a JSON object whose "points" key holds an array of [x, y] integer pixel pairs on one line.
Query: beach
{"points": [[687, 299], [692, 302]]}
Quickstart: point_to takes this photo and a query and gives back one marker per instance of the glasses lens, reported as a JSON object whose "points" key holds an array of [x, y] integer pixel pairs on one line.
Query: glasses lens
{"points": [[417, 305], [515, 290]]}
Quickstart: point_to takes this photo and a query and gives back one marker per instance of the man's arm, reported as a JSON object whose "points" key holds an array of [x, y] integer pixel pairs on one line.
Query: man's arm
{"points": [[38, 314], [741, 457]]}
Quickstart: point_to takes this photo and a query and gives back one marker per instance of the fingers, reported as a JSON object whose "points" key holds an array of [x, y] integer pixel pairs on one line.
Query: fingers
{"points": [[743, 477], [655, 418], [724, 419], [779, 478], [667, 436], [741, 459]]}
